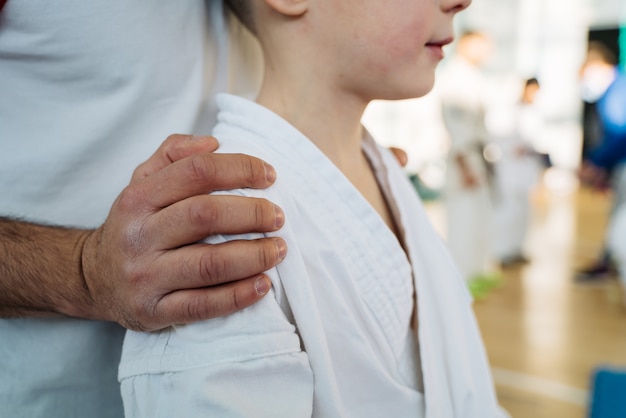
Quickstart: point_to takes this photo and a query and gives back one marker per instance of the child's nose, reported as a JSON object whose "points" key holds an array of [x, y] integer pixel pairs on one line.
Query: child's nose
{"points": [[454, 6]]}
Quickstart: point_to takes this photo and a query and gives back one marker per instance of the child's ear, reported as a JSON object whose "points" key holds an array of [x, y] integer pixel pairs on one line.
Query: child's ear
{"points": [[289, 7]]}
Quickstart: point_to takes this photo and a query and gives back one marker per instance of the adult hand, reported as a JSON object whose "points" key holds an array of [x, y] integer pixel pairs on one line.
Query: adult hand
{"points": [[468, 179], [400, 155], [144, 267]]}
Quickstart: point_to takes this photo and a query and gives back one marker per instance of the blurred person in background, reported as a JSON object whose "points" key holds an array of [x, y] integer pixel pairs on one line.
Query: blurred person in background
{"points": [[604, 150], [462, 87], [517, 170]]}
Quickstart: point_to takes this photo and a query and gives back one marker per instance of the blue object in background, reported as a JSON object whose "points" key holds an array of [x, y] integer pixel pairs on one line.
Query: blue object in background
{"points": [[608, 398]]}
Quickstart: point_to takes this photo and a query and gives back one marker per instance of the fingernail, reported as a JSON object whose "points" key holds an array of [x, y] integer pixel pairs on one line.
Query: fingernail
{"points": [[280, 217], [270, 173], [282, 248], [262, 285]]}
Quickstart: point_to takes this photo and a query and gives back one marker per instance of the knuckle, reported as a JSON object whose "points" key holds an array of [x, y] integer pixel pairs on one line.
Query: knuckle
{"points": [[203, 213], [132, 244], [238, 300], [267, 255], [129, 199], [256, 171], [201, 168], [213, 267], [140, 172], [197, 309], [171, 139], [264, 213], [251, 169], [135, 282]]}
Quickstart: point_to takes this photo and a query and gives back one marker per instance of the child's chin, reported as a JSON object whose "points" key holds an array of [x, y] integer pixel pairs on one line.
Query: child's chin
{"points": [[410, 93]]}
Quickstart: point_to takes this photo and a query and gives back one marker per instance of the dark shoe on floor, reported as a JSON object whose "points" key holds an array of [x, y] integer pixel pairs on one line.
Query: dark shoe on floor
{"points": [[599, 272], [514, 261]]}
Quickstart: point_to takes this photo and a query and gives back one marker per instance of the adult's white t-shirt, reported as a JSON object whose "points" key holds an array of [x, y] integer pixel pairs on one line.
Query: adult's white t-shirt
{"points": [[89, 90]]}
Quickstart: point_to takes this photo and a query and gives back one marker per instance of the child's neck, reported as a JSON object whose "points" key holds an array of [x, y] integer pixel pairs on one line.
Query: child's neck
{"points": [[331, 119]]}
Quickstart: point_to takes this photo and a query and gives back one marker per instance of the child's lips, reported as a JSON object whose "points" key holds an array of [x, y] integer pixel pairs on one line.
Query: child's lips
{"points": [[436, 46], [441, 42]]}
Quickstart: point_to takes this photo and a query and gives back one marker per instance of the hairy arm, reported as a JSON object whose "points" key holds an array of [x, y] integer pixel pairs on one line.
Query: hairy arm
{"points": [[40, 268]]}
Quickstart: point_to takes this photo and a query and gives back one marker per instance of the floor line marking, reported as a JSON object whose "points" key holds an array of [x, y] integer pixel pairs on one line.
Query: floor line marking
{"points": [[541, 386]]}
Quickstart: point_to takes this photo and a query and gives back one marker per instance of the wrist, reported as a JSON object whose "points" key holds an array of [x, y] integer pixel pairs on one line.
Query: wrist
{"points": [[85, 304], [80, 302]]}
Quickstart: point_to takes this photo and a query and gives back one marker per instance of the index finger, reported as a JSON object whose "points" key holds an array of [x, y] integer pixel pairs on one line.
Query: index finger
{"points": [[204, 173], [174, 148]]}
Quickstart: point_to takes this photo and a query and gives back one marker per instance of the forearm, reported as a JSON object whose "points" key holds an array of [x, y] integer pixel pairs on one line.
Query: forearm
{"points": [[461, 162], [40, 270], [468, 178]]}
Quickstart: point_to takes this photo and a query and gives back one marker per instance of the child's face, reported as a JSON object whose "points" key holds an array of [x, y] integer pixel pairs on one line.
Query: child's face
{"points": [[530, 93], [387, 49]]}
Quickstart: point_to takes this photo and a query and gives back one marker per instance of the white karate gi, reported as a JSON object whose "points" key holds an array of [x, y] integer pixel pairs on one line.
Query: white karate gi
{"points": [[468, 210], [517, 171], [334, 338]]}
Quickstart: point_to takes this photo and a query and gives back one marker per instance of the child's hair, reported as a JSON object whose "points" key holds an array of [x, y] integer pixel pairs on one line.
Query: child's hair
{"points": [[600, 52], [243, 10], [531, 81]]}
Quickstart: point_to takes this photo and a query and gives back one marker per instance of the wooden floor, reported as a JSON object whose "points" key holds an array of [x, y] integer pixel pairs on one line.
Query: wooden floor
{"points": [[544, 333]]}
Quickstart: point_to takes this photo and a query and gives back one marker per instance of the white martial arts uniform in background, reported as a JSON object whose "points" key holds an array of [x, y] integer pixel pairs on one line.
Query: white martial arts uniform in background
{"points": [[334, 339], [468, 210], [517, 170]]}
